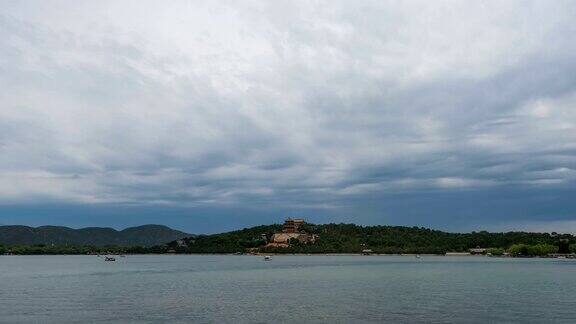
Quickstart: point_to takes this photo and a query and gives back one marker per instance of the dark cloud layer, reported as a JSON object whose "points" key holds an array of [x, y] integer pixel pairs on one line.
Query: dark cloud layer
{"points": [[405, 113]]}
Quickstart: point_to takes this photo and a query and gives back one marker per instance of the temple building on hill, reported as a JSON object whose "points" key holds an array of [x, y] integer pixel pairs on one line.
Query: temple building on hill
{"points": [[291, 230], [292, 225]]}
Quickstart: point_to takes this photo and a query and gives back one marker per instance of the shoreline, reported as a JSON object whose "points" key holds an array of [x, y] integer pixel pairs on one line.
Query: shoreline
{"points": [[568, 256]]}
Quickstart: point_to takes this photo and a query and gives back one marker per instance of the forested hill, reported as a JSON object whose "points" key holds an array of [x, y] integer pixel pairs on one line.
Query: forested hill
{"points": [[350, 238], [146, 235]]}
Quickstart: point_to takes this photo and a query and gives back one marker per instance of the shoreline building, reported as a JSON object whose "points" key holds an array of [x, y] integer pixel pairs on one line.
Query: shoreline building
{"points": [[291, 230]]}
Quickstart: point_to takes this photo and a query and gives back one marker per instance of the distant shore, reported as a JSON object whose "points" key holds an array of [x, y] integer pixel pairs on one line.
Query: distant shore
{"points": [[296, 237], [459, 255]]}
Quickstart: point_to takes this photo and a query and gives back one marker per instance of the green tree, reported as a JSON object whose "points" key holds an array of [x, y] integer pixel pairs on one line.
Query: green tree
{"points": [[564, 246], [518, 250], [495, 251], [541, 249]]}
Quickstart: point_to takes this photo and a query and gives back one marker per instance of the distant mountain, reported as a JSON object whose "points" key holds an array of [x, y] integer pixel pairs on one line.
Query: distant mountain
{"points": [[146, 235]]}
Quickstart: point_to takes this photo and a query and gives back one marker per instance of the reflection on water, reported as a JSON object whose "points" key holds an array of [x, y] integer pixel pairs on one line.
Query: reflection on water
{"points": [[288, 289]]}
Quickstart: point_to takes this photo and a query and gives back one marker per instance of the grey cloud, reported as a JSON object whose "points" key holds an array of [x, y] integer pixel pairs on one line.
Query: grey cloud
{"points": [[284, 104]]}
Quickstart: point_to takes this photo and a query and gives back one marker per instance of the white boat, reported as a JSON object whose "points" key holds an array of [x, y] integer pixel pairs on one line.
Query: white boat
{"points": [[417, 256], [267, 258]]}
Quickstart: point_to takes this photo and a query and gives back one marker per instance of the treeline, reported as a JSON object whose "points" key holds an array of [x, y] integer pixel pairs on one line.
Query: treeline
{"points": [[41, 249], [340, 238], [351, 238], [533, 250], [231, 242]]}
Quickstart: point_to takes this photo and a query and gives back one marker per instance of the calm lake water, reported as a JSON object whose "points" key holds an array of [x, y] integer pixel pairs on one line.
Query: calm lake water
{"points": [[287, 289]]}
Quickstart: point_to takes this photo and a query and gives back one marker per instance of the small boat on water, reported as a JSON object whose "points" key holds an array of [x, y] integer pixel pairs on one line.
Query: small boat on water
{"points": [[417, 256], [267, 258], [109, 259]]}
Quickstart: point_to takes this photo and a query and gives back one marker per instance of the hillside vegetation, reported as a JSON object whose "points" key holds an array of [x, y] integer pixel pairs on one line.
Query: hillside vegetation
{"points": [[350, 238]]}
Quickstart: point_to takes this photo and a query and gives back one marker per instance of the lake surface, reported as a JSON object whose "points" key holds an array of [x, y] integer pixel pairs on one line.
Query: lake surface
{"points": [[344, 289]]}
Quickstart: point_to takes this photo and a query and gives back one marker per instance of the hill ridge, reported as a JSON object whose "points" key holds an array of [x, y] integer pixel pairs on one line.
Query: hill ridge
{"points": [[352, 238], [142, 235]]}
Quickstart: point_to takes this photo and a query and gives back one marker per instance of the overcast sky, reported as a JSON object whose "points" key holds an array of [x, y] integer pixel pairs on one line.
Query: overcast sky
{"points": [[208, 116]]}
